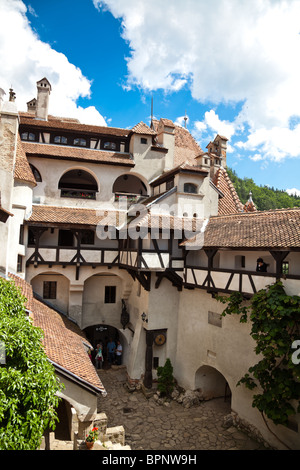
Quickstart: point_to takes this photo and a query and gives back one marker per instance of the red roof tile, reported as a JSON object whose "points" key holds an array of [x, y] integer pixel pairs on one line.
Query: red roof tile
{"points": [[76, 153], [63, 340]]}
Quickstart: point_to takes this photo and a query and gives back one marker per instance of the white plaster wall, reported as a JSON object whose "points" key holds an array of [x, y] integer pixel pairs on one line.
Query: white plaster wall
{"points": [[94, 308], [229, 349], [62, 293], [148, 163], [47, 192]]}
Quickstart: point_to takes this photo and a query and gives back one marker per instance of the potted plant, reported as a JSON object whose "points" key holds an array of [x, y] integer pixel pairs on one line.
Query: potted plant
{"points": [[91, 437]]}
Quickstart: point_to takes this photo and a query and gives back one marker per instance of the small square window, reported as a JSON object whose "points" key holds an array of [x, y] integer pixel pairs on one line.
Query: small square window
{"points": [[143, 140], [110, 294], [49, 290]]}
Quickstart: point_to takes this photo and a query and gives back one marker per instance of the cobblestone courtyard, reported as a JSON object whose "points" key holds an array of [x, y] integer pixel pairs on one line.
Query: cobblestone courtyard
{"points": [[149, 426]]}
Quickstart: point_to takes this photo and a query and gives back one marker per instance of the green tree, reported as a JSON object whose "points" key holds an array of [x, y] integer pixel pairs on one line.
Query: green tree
{"points": [[264, 198], [275, 326], [165, 379], [28, 385]]}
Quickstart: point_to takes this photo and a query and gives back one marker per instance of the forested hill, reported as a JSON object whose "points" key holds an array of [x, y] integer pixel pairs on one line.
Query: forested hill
{"points": [[263, 197]]}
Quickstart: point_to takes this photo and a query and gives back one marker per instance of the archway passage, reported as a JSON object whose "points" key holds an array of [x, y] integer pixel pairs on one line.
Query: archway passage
{"points": [[101, 334], [79, 184], [130, 186], [212, 384]]}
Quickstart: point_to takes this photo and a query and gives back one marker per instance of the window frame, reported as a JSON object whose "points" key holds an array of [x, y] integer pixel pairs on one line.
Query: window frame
{"points": [[50, 290], [110, 294], [190, 185]]}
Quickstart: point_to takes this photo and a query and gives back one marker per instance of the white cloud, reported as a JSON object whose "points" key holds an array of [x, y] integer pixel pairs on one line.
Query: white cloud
{"points": [[274, 144], [293, 192], [25, 59], [212, 125], [227, 51]]}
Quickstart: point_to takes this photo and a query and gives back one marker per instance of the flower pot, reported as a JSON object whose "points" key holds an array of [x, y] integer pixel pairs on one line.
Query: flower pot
{"points": [[89, 444]]}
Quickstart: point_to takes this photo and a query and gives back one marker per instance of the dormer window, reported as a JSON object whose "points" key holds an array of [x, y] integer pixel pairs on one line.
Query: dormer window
{"points": [[190, 188], [110, 146], [28, 136], [80, 142], [59, 139]]}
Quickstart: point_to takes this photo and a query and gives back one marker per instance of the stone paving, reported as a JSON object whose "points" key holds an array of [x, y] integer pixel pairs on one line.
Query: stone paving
{"points": [[151, 426]]}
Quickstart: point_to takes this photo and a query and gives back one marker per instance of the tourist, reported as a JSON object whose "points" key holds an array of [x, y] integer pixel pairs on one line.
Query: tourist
{"points": [[119, 353], [111, 346], [261, 266], [99, 357]]}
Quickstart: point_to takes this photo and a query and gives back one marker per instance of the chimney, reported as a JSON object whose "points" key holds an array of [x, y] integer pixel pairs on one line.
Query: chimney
{"points": [[31, 106], [43, 92]]}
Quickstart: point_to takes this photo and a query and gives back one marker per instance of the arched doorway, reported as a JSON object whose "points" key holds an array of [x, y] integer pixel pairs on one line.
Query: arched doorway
{"points": [[212, 383], [101, 333]]}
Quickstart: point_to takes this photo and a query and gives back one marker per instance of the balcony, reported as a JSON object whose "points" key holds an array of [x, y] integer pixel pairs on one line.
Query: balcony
{"points": [[234, 280]]}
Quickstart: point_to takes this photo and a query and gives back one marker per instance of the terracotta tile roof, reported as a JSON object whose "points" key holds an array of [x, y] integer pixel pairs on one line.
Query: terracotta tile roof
{"points": [[72, 125], [63, 340], [272, 229], [230, 203], [76, 153], [183, 167], [22, 169], [186, 147], [142, 128], [75, 216]]}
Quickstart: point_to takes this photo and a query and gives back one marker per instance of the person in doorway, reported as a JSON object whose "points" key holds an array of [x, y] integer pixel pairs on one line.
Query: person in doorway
{"points": [[119, 353], [261, 266], [99, 357], [111, 346]]}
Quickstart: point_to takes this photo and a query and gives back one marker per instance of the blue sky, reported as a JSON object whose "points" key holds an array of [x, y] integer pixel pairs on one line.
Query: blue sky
{"points": [[231, 65]]}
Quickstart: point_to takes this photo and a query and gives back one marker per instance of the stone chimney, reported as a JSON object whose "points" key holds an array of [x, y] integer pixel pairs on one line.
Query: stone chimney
{"points": [[43, 92], [31, 106], [166, 138]]}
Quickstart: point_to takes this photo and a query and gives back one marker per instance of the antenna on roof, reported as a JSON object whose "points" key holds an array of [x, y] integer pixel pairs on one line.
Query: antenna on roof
{"points": [[185, 119], [151, 125]]}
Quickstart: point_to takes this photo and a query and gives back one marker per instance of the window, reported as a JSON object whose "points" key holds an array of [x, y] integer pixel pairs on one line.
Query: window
{"points": [[59, 139], [143, 140], [80, 142], [170, 184], [88, 237], [49, 289], [285, 267], [65, 238], [110, 294], [240, 261], [36, 173], [31, 238], [190, 188], [110, 146], [28, 136], [21, 235], [20, 264]]}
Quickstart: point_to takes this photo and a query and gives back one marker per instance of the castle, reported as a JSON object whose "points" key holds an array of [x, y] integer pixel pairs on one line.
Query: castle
{"points": [[129, 234]]}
